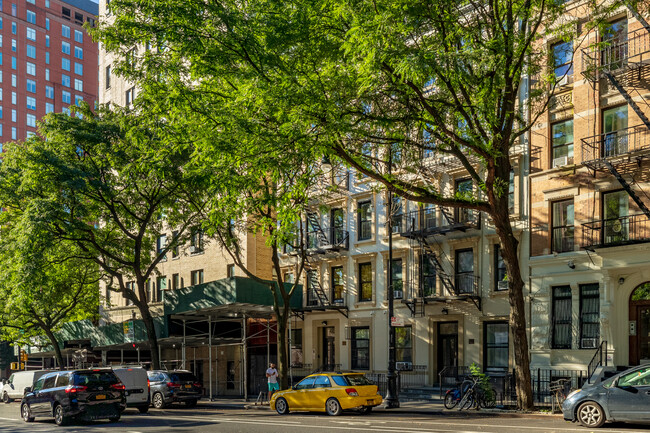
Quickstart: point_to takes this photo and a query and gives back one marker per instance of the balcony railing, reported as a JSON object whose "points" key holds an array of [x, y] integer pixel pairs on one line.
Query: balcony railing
{"points": [[616, 231], [466, 284], [435, 220], [617, 143], [616, 55]]}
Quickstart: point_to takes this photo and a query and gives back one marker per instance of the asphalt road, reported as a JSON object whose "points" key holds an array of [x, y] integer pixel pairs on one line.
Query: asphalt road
{"points": [[204, 420]]}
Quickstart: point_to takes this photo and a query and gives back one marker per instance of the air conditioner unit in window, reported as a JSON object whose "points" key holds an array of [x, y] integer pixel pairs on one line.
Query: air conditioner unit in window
{"points": [[502, 285], [404, 366], [589, 343], [398, 294], [561, 161], [194, 249]]}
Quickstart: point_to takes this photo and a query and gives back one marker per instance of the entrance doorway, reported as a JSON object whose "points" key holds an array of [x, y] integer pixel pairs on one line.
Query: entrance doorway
{"points": [[447, 345], [640, 325], [328, 358]]}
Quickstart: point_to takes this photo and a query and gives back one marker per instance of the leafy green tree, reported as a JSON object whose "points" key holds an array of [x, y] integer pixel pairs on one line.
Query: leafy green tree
{"points": [[43, 283], [364, 80], [109, 183]]}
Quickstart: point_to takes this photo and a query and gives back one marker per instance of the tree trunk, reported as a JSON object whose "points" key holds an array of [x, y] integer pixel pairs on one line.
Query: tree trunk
{"points": [[151, 336], [517, 320], [55, 344], [283, 358]]}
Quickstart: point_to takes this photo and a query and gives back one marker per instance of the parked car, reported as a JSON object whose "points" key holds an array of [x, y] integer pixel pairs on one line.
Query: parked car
{"points": [[14, 388], [174, 386], [77, 394], [136, 383], [622, 397], [328, 392]]}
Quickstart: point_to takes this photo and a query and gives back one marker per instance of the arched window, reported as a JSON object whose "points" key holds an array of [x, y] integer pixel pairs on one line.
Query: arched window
{"points": [[641, 293]]}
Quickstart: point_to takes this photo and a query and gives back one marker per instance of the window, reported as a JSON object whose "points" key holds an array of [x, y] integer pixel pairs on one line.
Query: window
{"points": [[14, 133], [306, 383], [322, 382], [496, 346], [561, 318], [175, 281], [14, 98], [63, 380], [66, 97], [31, 103], [175, 248], [500, 274], [78, 85], [511, 193], [14, 45], [78, 99], [31, 68], [14, 28], [14, 10], [338, 285], [403, 344], [161, 243], [65, 64], [364, 220], [108, 76], [49, 107], [79, 53], [65, 31], [312, 288], [563, 229], [562, 142], [230, 270], [464, 188], [14, 80], [14, 63], [616, 208], [31, 87], [640, 377], [49, 91], [65, 80], [129, 96], [31, 120], [78, 36], [47, 74], [196, 277], [47, 41], [196, 240], [397, 279], [78, 68], [161, 286], [31, 17], [397, 214], [65, 47], [47, 23], [31, 34], [360, 349], [14, 116], [464, 271], [615, 49], [427, 276], [365, 281], [615, 138], [589, 315], [336, 223], [563, 62]]}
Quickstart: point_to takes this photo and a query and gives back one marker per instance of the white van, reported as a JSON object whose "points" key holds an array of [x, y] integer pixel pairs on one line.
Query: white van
{"points": [[14, 388], [136, 383]]}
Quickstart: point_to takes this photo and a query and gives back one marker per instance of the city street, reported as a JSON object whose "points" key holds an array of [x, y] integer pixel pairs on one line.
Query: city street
{"points": [[204, 419]]}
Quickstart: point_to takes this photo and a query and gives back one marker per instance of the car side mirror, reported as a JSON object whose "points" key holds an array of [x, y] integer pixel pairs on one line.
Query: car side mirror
{"points": [[295, 387], [28, 389]]}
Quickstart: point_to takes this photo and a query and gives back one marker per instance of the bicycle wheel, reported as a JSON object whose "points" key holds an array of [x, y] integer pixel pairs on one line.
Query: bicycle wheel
{"points": [[450, 401], [468, 401]]}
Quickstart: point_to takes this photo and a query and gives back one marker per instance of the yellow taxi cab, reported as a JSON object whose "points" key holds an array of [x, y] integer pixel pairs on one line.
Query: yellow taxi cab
{"points": [[328, 392]]}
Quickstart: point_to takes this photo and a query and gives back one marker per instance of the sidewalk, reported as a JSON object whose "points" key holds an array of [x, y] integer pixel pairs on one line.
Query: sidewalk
{"points": [[423, 407]]}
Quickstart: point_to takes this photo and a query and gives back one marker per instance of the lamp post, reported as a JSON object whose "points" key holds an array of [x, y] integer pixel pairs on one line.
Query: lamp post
{"points": [[391, 401]]}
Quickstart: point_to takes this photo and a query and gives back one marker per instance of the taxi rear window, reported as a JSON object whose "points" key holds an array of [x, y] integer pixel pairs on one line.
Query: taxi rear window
{"points": [[358, 379]]}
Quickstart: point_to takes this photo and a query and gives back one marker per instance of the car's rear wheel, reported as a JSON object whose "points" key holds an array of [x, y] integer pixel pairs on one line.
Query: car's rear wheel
{"points": [[26, 413], [365, 410], [281, 406], [333, 407], [143, 409], [5, 398], [590, 414], [59, 415], [190, 403], [158, 401]]}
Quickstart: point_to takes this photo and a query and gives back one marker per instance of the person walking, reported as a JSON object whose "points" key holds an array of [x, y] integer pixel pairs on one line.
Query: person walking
{"points": [[272, 378]]}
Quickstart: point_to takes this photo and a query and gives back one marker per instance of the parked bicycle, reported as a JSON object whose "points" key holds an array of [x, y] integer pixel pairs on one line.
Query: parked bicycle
{"points": [[454, 395], [560, 388], [470, 394]]}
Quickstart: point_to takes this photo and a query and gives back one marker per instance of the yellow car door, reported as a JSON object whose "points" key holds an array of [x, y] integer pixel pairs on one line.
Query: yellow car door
{"points": [[319, 394], [298, 398]]}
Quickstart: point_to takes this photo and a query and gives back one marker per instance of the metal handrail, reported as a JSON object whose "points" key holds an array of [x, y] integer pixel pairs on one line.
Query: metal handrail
{"points": [[616, 231], [597, 360], [615, 54], [615, 143]]}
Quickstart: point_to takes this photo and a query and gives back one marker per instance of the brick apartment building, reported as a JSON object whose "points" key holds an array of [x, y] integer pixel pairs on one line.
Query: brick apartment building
{"points": [[589, 196], [47, 61]]}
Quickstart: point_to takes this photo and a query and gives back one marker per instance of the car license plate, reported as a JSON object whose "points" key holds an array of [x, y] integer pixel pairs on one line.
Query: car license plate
{"points": [[188, 386], [100, 397]]}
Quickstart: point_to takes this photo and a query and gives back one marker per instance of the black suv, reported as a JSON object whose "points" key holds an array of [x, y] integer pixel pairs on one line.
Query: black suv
{"points": [[174, 386], [81, 394]]}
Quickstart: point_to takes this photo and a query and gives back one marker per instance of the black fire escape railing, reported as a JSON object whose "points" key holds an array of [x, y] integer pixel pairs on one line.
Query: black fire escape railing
{"points": [[627, 229]]}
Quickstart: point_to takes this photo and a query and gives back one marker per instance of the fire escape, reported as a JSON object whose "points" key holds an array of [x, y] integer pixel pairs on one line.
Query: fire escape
{"points": [[622, 61], [423, 228]]}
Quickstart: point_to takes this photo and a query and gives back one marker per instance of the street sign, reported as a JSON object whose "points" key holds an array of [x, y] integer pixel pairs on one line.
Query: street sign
{"points": [[396, 321]]}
